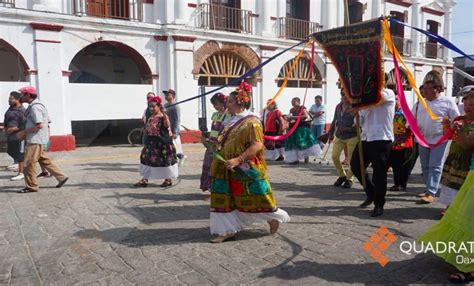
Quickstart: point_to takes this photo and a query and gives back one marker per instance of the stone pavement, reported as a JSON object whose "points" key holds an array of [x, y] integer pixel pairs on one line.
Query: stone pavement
{"points": [[98, 230]]}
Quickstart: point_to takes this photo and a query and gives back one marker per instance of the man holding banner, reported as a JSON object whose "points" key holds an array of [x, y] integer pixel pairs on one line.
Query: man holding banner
{"points": [[377, 137]]}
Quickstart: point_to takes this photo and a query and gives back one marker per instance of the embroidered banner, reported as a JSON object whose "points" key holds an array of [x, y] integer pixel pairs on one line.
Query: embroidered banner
{"points": [[356, 52]]}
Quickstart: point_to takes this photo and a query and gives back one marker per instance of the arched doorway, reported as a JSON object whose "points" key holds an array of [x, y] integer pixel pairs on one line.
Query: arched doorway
{"points": [[109, 62], [13, 66], [107, 86], [216, 64]]}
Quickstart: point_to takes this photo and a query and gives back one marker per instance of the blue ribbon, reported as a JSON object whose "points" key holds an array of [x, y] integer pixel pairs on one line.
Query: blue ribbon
{"points": [[238, 80], [435, 37]]}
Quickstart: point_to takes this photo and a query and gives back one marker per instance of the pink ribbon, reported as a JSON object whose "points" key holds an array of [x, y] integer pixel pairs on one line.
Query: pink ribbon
{"points": [[297, 123], [409, 116]]}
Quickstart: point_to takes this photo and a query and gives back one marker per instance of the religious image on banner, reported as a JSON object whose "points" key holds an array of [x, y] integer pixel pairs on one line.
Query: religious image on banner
{"points": [[356, 52]]}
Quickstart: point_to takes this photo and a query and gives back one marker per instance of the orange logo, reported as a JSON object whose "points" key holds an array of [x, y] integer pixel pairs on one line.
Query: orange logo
{"points": [[378, 243]]}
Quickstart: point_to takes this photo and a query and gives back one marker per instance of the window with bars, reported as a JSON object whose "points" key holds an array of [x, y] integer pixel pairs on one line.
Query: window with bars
{"points": [[221, 68], [392, 83], [300, 75]]}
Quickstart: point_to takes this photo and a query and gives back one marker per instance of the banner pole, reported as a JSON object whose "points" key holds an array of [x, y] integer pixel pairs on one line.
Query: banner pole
{"points": [[361, 152]]}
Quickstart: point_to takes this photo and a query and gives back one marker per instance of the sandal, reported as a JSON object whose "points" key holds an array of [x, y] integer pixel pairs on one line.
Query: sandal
{"points": [[166, 183], [26, 190], [142, 184], [461, 278], [222, 238]]}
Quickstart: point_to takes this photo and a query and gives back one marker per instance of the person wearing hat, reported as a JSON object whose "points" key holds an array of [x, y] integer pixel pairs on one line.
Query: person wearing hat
{"points": [[36, 136], [14, 119], [174, 115]]}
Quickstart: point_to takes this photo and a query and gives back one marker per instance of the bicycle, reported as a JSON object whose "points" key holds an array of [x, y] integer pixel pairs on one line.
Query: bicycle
{"points": [[135, 137]]}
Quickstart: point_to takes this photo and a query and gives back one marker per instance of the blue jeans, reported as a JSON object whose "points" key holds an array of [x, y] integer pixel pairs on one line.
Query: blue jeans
{"points": [[432, 166], [318, 130]]}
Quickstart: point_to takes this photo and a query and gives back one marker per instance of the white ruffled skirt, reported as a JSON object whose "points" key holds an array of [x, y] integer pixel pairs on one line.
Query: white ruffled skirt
{"points": [[235, 221], [151, 173]]}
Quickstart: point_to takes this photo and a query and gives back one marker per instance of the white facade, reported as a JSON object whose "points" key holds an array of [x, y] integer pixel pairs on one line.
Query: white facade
{"points": [[161, 43]]}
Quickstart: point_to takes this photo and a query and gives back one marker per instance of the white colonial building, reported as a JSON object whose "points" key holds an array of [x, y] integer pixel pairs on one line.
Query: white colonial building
{"points": [[93, 61]]}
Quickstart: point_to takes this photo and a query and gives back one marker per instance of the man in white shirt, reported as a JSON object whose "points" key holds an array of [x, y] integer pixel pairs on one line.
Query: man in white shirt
{"points": [[318, 112], [377, 136], [432, 158]]}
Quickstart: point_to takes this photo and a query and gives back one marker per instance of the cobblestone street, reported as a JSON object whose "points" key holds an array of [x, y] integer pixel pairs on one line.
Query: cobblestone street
{"points": [[97, 229]]}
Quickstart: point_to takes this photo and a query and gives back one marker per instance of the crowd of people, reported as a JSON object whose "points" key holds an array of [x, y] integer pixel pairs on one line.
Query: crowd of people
{"points": [[239, 142]]}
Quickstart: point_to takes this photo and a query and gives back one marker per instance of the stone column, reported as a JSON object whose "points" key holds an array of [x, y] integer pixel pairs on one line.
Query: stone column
{"points": [[47, 5], [53, 83], [266, 9], [181, 12], [447, 28], [417, 22]]}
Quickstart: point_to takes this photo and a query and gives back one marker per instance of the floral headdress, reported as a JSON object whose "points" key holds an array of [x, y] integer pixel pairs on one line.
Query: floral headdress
{"points": [[155, 99], [243, 93]]}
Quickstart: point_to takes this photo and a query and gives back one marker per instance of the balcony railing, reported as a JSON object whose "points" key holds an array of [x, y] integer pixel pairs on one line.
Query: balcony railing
{"points": [[296, 29], [7, 3], [403, 45], [432, 50], [219, 17], [116, 9]]}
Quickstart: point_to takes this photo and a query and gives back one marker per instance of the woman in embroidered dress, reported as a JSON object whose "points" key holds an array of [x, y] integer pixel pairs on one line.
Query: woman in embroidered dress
{"points": [[274, 149], [301, 144], [456, 228], [219, 101], [456, 165], [240, 191], [402, 147], [158, 158]]}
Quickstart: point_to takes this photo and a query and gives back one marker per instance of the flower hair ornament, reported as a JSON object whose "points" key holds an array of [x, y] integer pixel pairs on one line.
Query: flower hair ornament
{"points": [[243, 93], [155, 99]]}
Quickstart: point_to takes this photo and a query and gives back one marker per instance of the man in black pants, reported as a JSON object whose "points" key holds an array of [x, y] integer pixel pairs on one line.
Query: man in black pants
{"points": [[376, 137]]}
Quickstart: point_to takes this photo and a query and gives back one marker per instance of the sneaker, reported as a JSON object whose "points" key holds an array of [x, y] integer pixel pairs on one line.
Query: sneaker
{"points": [[13, 167], [339, 181], [181, 159], [18, 177], [44, 175], [347, 184]]}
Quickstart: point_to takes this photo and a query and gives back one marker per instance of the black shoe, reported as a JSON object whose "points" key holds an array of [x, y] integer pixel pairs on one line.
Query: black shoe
{"points": [[366, 203], [378, 211], [347, 184], [339, 181], [60, 184], [280, 158]]}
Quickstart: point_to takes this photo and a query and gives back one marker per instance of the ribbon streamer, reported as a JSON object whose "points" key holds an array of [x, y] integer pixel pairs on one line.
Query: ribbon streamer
{"points": [[285, 80], [411, 120], [388, 40], [242, 77], [435, 37]]}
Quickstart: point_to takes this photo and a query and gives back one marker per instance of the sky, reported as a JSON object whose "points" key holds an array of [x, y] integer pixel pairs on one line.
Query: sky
{"points": [[463, 26]]}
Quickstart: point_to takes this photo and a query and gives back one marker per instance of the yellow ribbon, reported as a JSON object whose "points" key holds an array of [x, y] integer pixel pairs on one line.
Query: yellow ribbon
{"points": [[285, 80], [388, 40]]}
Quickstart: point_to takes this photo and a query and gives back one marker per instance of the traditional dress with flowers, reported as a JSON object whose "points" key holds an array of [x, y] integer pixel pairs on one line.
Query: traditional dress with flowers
{"points": [[301, 144], [242, 196], [456, 227], [158, 158], [218, 119], [274, 149], [402, 147], [456, 166]]}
